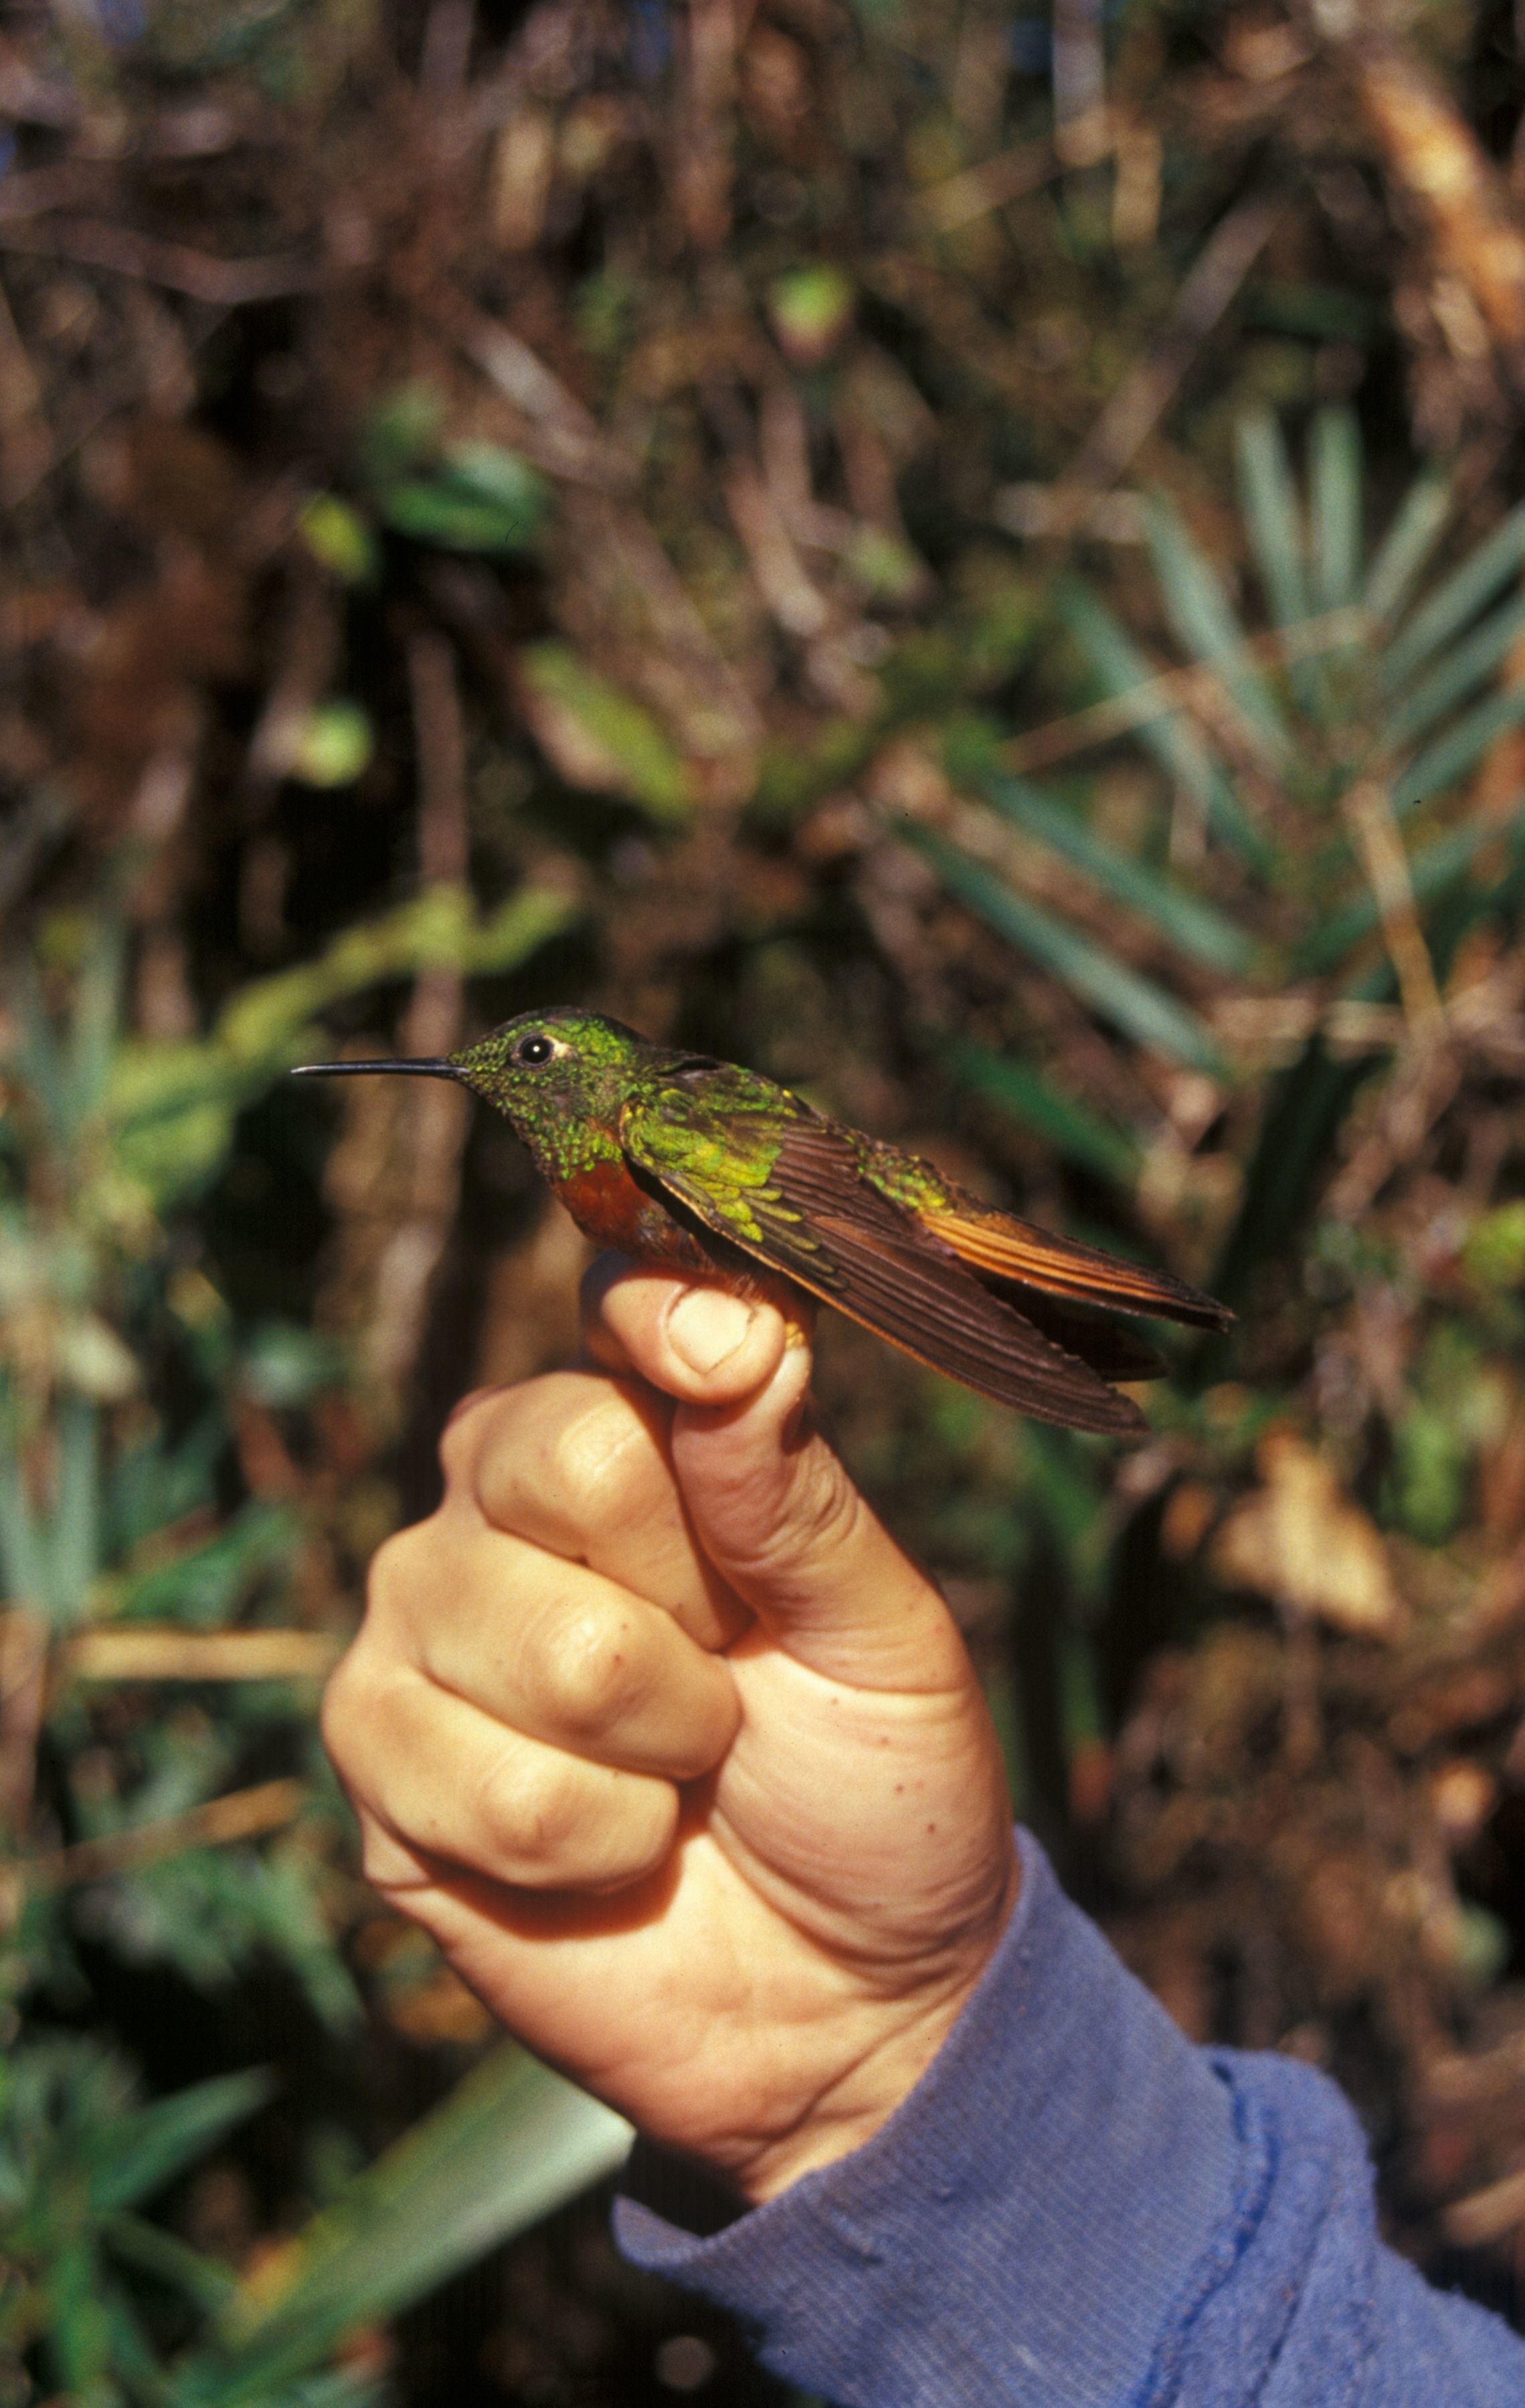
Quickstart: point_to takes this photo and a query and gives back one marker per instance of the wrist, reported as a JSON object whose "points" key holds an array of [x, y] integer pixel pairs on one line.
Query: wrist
{"points": [[872, 2082]]}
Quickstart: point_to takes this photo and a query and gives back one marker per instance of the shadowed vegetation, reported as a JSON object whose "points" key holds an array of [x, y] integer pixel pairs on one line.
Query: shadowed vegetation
{"points": [[972, 563]]}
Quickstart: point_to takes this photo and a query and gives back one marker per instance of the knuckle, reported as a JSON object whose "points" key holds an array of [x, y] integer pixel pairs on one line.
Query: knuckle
{"points": [[400, 1566], [469, 1429], [587, 1464], [646, 1838], [529, 1804], [596, 1673], [343, 1716], [386, 1864]]}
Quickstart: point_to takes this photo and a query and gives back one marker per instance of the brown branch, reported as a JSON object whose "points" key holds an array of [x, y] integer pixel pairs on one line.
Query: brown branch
{"points": [[171, 1655], [244, 1814], [1368, 813], [1437, 161], [1141, 400], [1196, 684], [994, 183], [224, 284], [24, 1664], [432, 1115]]}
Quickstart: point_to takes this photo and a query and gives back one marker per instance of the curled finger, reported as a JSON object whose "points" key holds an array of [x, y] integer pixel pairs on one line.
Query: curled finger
{"points": [[435, 1776]]}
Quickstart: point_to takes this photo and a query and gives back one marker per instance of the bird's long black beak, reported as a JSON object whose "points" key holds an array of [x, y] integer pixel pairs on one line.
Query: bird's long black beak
{"points": [[422, 1066]]}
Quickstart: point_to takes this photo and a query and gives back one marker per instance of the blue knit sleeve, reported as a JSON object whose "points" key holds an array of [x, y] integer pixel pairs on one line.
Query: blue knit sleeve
{"points": [[1076, 2209]]}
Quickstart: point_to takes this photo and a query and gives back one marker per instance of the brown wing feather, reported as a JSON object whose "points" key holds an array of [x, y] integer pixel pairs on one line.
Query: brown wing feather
{"points": [[1109, 1347], [850, 1246], [1000, 1246]]}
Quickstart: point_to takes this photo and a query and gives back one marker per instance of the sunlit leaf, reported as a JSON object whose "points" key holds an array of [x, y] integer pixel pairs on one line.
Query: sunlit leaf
{"points": [[173, 1102], [338, 538], [1494, 1252], [811, 309], [332, 744], [512, 2143]]}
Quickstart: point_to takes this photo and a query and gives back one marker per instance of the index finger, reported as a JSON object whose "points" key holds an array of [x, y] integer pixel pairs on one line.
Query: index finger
{"points": [[578, 1464]]}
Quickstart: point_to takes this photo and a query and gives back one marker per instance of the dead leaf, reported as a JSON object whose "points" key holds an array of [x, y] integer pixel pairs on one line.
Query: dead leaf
{"points": [[1300, 1539]]}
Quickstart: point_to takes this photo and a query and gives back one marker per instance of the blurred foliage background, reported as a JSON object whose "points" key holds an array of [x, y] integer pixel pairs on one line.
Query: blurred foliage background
{"points": [[969, 556]]}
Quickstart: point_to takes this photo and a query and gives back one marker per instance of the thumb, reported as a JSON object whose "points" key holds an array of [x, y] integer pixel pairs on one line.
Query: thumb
{"points": [[771, 1503]]}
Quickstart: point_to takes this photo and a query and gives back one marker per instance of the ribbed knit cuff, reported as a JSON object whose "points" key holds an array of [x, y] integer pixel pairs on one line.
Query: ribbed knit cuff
{"points": [[1018, 2230]]}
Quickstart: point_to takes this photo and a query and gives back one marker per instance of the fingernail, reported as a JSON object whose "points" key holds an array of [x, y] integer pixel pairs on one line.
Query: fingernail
{"points": [[707, 1325]]}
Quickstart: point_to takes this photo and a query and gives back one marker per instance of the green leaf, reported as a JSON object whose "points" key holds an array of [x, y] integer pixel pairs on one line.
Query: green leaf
{"points": [[1305, 1111], [1459, 749], [332, 745], [602, 736], [481, 498], [1494, 1252], [811, 309], [1136, 1004], [1458, 600], [1335, 497], [1204, 619], [1430, 871], [204, 1587], [1475, 658], [23, 1566], [1069, 1126], [338, 538], [73, 1528], [1268, 494], [513, 2144], [1415, 531], [1195, 928], [173, 1103], [400, 430], [79, 2329], [95, 1017], [153, 2251], [1175, 743], [139, 2154]]}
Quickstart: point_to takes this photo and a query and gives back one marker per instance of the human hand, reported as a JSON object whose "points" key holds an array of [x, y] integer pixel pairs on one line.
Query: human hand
{"points": [[675, 1754]]}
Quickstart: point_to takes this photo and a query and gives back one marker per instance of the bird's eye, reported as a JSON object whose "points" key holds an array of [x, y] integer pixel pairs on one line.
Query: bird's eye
{"points": [[533, 1050]]}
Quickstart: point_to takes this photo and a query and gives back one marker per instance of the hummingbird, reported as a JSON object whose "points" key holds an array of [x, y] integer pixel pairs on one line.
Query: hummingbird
{"points": [[700, 1166]]}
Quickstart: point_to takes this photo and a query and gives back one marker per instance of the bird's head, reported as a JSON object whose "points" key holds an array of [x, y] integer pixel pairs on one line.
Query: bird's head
{"points": [[538, 1068]]}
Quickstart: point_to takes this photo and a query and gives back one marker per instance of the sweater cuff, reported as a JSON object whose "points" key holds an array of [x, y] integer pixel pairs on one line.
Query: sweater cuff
{"points": [[1020, 2227]]}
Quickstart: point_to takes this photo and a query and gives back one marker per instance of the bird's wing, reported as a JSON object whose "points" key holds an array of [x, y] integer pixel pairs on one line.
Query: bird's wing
{"points": [[998, 1246], [787, 1188]]}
